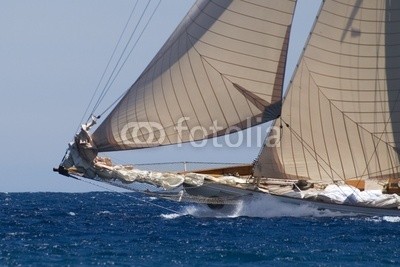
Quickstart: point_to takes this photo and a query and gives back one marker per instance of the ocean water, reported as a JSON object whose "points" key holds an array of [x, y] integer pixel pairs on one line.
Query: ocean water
{"points": [[104, 228]]}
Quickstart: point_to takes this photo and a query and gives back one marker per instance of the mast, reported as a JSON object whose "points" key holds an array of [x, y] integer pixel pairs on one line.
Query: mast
{"points": [[341, 114]]}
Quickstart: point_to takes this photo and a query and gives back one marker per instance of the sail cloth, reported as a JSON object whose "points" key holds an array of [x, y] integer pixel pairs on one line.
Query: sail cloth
{"points": [[341, 115], [220, 71]]}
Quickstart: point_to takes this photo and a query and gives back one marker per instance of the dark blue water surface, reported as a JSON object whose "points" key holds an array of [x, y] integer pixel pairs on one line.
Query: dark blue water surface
{"points": [[112, 229]]}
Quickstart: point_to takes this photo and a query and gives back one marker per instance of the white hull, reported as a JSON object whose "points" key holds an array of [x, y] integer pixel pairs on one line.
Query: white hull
{"points": [[343, 208], [268, 199]]}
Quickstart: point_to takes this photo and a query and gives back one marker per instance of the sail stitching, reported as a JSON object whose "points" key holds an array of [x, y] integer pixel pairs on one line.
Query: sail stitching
{"points": [[174, 86], [197, 83], [213, 90], [223, 76], [308, 148], [204, 59], [301, 134], [358, 124], [185, 87], [224, 80], [148, 72], [245, 15], [344, 113], [173, 93], [238, 40], [231, 63], [156, 107], [311, 125]]}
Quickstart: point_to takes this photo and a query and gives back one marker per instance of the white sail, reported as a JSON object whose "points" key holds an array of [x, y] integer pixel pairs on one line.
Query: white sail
{"points": [[222, 67], [341, 116]]}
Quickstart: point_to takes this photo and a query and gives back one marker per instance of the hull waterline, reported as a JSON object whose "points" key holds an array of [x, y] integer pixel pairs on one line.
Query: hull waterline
{"points": [[269, 200], [342, 208]]}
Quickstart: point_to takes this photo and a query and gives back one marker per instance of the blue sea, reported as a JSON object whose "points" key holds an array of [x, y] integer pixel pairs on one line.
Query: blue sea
{"points": [[104, 228]]}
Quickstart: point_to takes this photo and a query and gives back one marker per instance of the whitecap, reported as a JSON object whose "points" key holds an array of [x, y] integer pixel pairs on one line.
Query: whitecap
{"points": [[171, 216], [104, 212], [374, 219], [393, 219]]}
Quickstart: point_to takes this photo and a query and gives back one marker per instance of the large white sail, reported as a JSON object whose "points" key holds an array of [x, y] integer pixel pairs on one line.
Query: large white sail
{"points": [[341, 116], [222, 67]]}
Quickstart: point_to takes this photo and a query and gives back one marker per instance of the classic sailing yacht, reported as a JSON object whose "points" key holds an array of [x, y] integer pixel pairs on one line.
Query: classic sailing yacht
{"points": [[334, 144]]}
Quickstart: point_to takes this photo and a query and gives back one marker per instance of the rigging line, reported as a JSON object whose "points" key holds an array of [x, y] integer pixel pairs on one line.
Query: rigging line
{"points": [[113, 103], [191, 162], [107, 87], [109, 62], [360, 126], [317, 155], [109, 84], [124, 194], [119, 70], [345, 114]]}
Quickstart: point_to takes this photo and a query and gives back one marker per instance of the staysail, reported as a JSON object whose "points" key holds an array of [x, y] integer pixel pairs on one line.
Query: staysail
{"points": [[221, 69], [341, 115]]}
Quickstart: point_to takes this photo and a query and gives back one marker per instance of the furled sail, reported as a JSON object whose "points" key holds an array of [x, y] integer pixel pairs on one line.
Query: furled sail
{"points": [[221, 69], [341, 115]]}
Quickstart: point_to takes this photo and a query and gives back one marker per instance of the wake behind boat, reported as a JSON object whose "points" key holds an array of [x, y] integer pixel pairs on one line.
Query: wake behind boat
{"points": [[336, 130]]}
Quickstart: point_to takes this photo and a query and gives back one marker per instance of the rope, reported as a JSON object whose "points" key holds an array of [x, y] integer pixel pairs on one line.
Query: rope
{"points": [[115, 72], [108, 84], [123, 63], [191, 162], [109, 62]]}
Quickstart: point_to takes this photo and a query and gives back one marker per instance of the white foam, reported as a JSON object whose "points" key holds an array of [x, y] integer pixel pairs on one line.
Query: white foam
{"points": [[104, 212], [203, 211], [393, 219], [267, 207], [171, 216], [263, 207]]}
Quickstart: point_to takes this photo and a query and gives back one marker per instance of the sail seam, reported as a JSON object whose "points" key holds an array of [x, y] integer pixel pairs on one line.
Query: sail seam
{"points": [[245, 15], [320, 90], [197, 83], [348, 118], [236, 51], [185, 87]]}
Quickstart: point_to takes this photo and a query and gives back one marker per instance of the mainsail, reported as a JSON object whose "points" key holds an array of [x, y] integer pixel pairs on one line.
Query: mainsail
{"points": [[222, 68], [341, 115]]}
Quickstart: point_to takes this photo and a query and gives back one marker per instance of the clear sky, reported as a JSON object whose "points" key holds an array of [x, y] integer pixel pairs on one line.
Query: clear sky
{"points": [[52, 55]]}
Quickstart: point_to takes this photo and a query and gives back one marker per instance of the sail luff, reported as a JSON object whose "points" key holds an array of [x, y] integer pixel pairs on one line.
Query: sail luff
{"points": [[341, 107], [220, 71]]}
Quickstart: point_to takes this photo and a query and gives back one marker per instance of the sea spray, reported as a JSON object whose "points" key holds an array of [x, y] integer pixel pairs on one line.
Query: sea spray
{"points": [[261, 207]]}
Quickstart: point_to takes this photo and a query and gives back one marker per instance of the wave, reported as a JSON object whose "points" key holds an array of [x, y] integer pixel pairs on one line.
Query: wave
{"points": [[261, 207]]}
